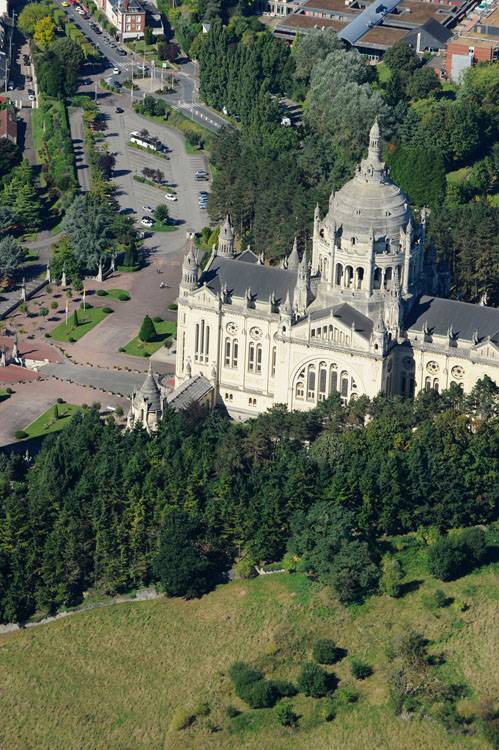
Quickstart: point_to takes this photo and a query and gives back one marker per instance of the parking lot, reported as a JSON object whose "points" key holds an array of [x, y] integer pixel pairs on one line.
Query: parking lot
{"points": [[178, 169]]}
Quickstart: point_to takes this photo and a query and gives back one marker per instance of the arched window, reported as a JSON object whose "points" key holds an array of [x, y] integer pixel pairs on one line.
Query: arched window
{"points": [[339, 274], [202, 342], [251, 357], [300, 386], [258, 358], [274, 361], [360, 277], [333, 379], [235, 352], [344, 386], [427, 384], [377, 278], [228, 353], [435, 385], [322, 381], [348, 277], [311, 383]]}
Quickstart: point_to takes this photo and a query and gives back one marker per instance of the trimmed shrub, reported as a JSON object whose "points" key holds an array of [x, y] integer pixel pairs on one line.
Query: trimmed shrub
{"points": [[157, 319], [47, 335], [119, 411], [313, 680], [9, 390], [181, 719], [347, 695], [391, 577], [20, 434], [85, 306], [285, 715], [232, 712], [60, 400], [107, 310], [147, 330], [360, 670], [202, 709], [123, 296], [101, 293], [72, 339], [172, 306], [324, 651]]}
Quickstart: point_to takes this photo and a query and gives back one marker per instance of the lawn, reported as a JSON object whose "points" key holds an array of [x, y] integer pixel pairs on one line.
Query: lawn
{"points": [[54, 419], [118, 294], [158, 227], [138, 348], [111, 678], [87, 319], [383, 72]]}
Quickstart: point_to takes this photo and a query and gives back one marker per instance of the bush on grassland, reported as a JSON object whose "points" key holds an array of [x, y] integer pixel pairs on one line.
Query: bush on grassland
{"points": [[181, 719], [324, 651], [313, 681]]}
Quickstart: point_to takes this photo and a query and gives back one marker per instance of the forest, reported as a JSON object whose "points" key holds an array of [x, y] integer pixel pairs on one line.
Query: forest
{"points": [[441, 141], [105, 510]]}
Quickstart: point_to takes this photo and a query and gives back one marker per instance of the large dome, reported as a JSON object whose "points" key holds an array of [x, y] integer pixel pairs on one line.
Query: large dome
{"points": [[370, 201]]}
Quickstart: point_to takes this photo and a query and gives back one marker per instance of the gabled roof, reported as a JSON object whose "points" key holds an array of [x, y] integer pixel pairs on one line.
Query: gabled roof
{"points": [[189, 392], [433, 36], [243, 273], [347, 315], [440, 314]]}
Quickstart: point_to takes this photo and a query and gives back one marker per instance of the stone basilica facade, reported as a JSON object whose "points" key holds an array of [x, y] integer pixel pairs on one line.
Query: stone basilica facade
{"points": [[368, 316]]}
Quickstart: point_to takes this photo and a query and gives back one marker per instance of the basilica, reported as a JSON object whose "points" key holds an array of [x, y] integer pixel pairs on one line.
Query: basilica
{"points": [[369, 314]]}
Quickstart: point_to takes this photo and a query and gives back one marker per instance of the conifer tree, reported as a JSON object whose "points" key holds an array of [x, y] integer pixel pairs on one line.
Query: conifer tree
{"points": [[147, 330]]}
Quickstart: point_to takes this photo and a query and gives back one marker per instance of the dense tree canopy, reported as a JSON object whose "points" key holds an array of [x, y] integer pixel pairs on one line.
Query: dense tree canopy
{"points": [[111, 510]]}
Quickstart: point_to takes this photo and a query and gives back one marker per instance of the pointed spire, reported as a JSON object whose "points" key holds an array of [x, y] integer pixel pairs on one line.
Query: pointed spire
{"points": [[190, 270], [374, 140], [294, 258], [379, 325], [317, 213]]}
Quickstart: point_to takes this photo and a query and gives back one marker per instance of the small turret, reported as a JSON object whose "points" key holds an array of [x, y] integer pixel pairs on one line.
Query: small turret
{"points": [[226, 238], [379, 336], [302, 289], [190, 269]]}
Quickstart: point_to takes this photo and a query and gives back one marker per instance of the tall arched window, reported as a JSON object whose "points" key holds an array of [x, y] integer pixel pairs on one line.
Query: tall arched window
{"points": [[339, 274], [360, 277], [251, 357], [427, 384], [311, 383], [235, 352], [344, 386], [258, 358], [202, 342], [228, 352], [388, 278], [377, 278], [300, 386], [333, 379], [322, 381], [274, 361], [348, 277]]}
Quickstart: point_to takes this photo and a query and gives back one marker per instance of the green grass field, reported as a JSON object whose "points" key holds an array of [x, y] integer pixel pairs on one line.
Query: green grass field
{"points": [[49, 422], [112, 678], [158, 227], [138, 348], [115, 294], [87, 319]]}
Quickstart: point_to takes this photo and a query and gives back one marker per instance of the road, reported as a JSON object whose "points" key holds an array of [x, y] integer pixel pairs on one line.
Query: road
{"points": [[77, 138], [185, 99]]}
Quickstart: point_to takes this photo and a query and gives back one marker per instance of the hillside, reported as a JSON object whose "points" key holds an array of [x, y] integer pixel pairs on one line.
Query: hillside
{"points": [[112, 678]]}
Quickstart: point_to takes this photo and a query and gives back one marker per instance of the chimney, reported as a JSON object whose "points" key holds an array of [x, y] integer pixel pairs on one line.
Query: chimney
{"points": [[418, 43]]}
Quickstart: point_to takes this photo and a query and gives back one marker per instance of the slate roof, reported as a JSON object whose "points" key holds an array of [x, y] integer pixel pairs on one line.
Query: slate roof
{"points": [[370, 16], [464, 317], [348, 315], [150, 391], [243, 272], [189, 392], [433, 35]]}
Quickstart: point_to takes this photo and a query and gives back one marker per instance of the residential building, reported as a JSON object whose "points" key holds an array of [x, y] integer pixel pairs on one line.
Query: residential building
{"points": [[8, 124]]}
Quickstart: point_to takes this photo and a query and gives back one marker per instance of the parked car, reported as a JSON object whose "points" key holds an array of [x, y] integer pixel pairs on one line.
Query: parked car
{"points": [[202, 173], [116, 71], [31, 97], [11, 86], [119, 110], [147, 208], [170, 196], [147, 222]]}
